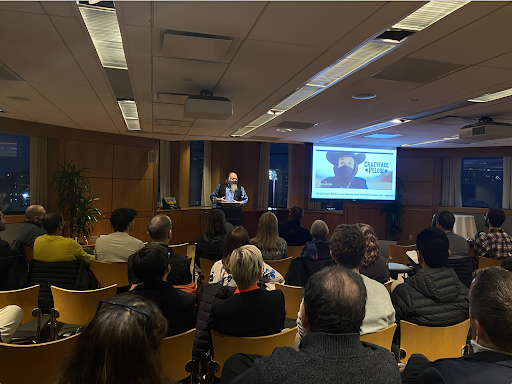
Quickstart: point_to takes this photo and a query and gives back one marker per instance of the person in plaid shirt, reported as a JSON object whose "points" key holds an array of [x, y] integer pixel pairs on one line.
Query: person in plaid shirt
{"points": [[495, 244]]}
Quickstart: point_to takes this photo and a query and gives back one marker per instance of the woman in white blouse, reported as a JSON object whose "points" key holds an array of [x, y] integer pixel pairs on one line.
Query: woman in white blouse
{"points": [[219, 273]]}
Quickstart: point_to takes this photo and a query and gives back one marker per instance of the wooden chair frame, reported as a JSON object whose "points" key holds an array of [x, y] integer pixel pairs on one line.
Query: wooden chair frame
{"points": [[388, 285], [382, 338], [292, 299], [294, 251], [397, 253], [27, 300], [206, 267], [108, 273], [486, 262], [280, 266], [175, 353]]}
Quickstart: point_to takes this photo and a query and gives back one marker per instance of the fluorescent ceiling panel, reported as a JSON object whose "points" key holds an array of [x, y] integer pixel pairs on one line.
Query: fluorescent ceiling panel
{"points": [[431, 141], [492, 96], [130, 115], [361, 131]]}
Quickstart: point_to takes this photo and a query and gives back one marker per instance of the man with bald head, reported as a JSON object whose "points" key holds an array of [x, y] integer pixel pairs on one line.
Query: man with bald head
{"points": [[160, 231], [30, 229]]}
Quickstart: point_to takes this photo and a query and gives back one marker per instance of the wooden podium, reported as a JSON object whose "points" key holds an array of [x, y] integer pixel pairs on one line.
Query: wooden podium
{"points": [[233, 212]]}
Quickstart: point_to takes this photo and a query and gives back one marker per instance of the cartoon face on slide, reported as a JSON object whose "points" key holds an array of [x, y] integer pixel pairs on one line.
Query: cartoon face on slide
{"points": [[344, 168]]}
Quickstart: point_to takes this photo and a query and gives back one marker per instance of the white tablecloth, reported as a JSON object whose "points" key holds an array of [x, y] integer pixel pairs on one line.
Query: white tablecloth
{"points": [[465, 226]]}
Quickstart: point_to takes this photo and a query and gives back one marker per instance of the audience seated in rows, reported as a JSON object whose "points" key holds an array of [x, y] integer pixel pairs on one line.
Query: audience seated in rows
{"points": [[160, 231], [318, 248], [211, 243], [490, 300], [29, 230], [151, 267], [496, 243], [119, 245], [373, 264], [292, 230], [331, 352], [267, 238], [5, 248], [348, 247], [11, 317], [434, 296], [220, 272], [251, 311], [459, 259], [120, 345], [53, 247]]}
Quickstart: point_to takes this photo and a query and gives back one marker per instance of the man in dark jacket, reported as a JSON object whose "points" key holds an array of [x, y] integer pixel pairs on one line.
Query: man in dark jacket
{"points": [[435, 296], [292, 230], [150, 265], [160, 231], [490, 301], [30, 229]]}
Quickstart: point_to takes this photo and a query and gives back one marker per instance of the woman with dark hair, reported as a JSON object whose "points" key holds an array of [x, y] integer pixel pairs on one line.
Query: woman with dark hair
{"points": [[119, 346], [220, 272], [267, 238], [373, 264], [211, 243]]}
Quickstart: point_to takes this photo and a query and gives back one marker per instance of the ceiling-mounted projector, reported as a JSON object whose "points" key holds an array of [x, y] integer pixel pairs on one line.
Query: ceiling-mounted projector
{"points": [[486, 129], [206, 106]]}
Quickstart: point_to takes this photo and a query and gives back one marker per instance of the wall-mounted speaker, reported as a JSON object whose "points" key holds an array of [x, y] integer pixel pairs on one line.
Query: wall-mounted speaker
{"points": [[152, 157]]}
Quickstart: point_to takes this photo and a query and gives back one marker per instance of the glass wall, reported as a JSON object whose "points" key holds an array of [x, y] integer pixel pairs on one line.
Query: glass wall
{"points": [[14, 173], [482, 182], [278, 176], [196, 173]]}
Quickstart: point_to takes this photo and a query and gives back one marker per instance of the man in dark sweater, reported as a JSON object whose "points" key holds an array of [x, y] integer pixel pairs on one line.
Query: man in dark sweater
{"points": [[331, 352], [151, 267], [292, 230], [30, 229]]}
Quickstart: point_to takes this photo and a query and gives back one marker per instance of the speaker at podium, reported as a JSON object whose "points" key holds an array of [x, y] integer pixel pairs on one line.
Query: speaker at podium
{"points": [[233, 212]]}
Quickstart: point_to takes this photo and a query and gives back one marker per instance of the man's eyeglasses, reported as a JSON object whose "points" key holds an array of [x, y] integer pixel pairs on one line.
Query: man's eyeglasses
{"points": [[134, 309]]}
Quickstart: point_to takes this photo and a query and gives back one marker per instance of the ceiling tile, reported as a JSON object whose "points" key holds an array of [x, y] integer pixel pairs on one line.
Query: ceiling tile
{"points": [[502, 61], [134, 12], [21, 6], [60, 8]]}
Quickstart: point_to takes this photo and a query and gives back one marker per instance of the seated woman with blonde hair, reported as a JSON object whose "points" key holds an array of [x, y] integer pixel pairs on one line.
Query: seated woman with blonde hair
{"points": [[267, 238], [318, 248], [220, 272]]}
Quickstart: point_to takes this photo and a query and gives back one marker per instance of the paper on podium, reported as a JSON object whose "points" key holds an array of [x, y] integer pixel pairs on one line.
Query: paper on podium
{"points": [[413, 255]]}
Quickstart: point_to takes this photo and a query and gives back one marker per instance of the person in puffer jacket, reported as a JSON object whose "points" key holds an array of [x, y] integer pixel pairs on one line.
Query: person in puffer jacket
{"points": [[434, 296]]}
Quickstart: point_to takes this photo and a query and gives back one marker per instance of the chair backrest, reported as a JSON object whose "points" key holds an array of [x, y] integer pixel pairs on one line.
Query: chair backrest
{"points": [[175, 353], [79, 307], [280, 266], [486, 262], [397, 253], [388, 285], [433, 342], [25, 298], [28, 252], [382, 338], [292, 299], [225, 346], [206, 267], [110, 273], [180, 249], [294, 251], [45, 361]]}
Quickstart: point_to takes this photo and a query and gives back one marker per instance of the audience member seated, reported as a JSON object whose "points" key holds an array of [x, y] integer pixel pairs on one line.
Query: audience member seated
{"points": [[434, 296], [267, 238], [211, 243], [348, 247], [373, 264], [151, 267], [53, 247], [5, 248], [490, 300], [459, 259], [292, 230], [331, 352], [120, 345], [30, 229], [119, 245], [10, 319], [318, 248], [236, 238], [160, 231], [251, 311], [495, 244]]}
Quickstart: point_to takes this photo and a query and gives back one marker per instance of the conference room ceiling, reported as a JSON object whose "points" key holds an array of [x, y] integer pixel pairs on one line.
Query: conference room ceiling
{"points": [[256, 54]]}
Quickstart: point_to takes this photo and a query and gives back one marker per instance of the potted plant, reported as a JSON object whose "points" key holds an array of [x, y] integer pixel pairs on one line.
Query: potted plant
{"points": [[394, 212], [75, 199]]}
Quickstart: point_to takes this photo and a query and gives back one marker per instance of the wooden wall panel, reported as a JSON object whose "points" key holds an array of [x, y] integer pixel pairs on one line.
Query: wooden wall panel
{"points": [[102, 189], [177, 225], [418, 193], [366, 213], [140, 229], [132, 163], [97, 157], [298, 179], [414, 221], [136, 194], [310, 217], [184, 175], [191, 225], [102, 227], [415, 169]]}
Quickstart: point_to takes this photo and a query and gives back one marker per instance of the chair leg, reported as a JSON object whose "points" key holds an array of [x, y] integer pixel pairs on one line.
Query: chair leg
{"points": [[54, 314], [192, 367], [36, 312], [211, 368]]}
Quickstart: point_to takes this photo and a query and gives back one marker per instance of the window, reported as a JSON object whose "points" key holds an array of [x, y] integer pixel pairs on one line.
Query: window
{"points": [[195, 182], [278, 176], [482, 182], [14, 173]]}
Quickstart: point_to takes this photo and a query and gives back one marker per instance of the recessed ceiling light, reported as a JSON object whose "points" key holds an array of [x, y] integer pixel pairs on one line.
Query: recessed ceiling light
{"points": [[18, 98], [283, 130], [492, 96], [364, 96], [2, 111]]}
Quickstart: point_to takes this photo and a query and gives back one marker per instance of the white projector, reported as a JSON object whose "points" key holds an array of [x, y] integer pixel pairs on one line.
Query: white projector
{"points": [[208, 108], [486, 131]]}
